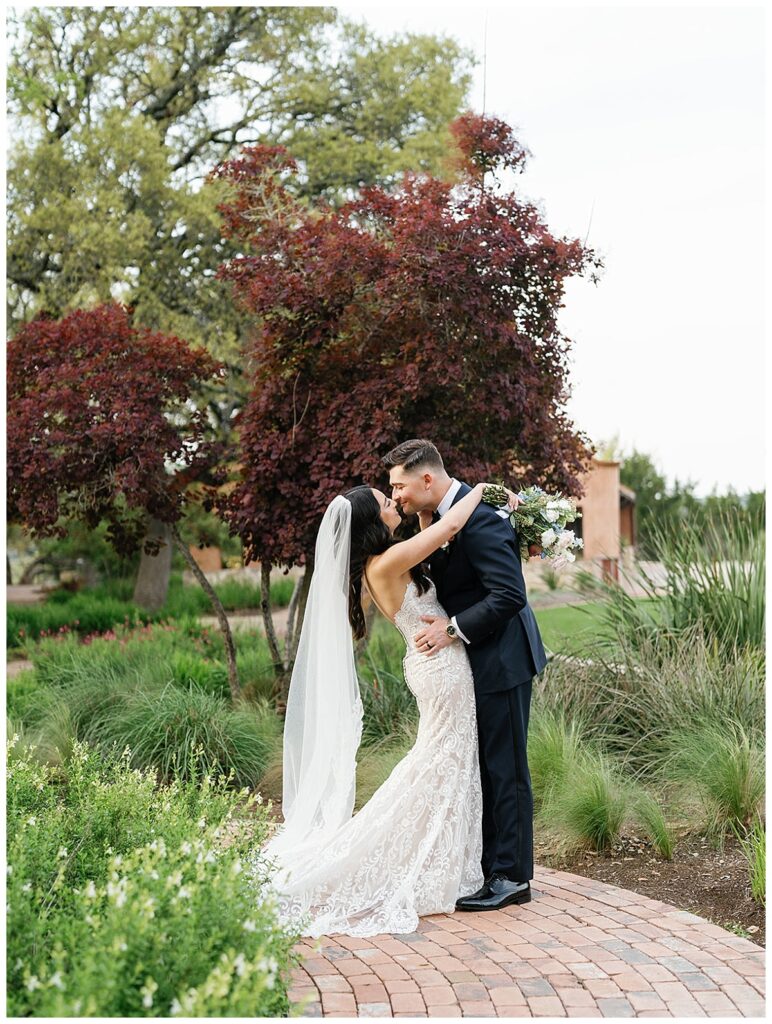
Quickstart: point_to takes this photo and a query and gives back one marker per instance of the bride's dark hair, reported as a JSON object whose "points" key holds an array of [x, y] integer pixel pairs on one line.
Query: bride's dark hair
{"points": [[369, 536]]}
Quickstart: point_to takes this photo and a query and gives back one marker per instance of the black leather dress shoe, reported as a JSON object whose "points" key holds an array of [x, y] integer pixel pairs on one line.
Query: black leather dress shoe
{"points": [[497, 892], [474, 895]]}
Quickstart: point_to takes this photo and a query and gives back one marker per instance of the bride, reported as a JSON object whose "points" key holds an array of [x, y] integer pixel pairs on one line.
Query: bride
{"points": [[415, 846]]}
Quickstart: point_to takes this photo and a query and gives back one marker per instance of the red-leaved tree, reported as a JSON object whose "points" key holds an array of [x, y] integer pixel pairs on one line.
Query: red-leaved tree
{"points": [[102, 424], [430, 311]]}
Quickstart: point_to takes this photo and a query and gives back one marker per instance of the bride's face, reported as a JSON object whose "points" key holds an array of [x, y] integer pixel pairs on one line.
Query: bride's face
{"points": [[389, 512]]}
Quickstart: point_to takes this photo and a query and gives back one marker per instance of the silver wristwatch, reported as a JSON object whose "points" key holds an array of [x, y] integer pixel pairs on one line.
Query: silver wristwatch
{"points": [[450, 629]]}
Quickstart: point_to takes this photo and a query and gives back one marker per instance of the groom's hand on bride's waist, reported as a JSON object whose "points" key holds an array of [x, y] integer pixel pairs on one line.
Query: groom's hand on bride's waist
{"points": [[433, 638]]}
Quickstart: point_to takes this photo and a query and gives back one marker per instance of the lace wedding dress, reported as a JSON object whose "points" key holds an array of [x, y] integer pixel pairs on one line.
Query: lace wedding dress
{"points": [[415, 846]]}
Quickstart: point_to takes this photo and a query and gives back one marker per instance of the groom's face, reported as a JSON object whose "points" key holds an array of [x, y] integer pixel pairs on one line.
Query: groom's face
{"points": [[411, 489]]}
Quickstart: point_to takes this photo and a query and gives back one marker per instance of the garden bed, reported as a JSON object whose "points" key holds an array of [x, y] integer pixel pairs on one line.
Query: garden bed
{"points": [[700, 878]]}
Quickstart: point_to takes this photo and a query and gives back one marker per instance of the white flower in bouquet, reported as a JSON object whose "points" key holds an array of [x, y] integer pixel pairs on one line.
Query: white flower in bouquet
{"points": [[551, 514], [566, 540], [548, 538]]}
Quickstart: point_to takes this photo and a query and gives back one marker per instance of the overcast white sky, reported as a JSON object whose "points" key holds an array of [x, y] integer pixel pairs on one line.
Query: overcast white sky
{"points": [[647, 125]]}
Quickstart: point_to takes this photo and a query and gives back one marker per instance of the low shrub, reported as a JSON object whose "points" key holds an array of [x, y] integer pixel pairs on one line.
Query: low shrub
{"points": [[124, 900]]}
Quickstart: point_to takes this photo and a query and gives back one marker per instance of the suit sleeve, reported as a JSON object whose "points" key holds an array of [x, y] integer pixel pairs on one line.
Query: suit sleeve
{"points": [[491, 546]]}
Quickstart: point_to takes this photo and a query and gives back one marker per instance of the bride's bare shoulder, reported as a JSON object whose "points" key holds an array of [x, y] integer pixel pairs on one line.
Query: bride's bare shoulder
{"points": [[377, 568]]}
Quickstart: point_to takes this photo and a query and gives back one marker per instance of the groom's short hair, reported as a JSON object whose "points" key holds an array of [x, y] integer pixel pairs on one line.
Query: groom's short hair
{"points": [[415, 454]]}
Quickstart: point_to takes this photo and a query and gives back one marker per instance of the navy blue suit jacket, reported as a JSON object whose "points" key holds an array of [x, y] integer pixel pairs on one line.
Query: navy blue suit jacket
{"points": [[479, 579]]}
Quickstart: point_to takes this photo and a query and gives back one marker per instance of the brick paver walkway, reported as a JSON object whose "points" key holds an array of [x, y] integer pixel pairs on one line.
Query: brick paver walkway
{"points": [[580, 948]]}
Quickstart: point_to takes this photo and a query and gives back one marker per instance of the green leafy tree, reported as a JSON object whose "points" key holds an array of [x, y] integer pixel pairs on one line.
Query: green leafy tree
{"points": [[117, 113], [120, 111]]}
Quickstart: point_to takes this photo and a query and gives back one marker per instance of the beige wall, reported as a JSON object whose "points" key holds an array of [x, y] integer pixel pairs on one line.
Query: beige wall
{"points": [[600, 511]]}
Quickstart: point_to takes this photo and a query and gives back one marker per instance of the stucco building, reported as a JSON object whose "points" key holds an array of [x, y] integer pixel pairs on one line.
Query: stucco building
{"points": [[607, 525]]}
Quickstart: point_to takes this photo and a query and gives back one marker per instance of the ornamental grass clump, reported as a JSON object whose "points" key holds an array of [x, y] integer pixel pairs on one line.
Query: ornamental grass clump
{"points": [[648, 812], [555, 748], [753, 840], [723, 764], [160, 723], [125, 900], [589, 808]]}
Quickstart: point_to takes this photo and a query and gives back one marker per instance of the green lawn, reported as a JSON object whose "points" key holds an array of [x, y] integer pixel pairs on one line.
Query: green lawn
{"points": [[569, 626]]}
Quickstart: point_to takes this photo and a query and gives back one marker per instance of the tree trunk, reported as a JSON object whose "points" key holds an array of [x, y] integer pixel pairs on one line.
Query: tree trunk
{"points": [[152, 586], [300, 614], [270, 631], [230, 649], [292, 612], [283, 663], [8, 575]]}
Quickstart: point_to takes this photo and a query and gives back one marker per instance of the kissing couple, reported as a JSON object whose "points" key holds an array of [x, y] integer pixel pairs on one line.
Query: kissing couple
{"points": [[452, 826]]}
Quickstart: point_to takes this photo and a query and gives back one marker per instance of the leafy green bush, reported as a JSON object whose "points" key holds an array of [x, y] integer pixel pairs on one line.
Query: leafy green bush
{"points": [[124, 899], [102, 608], [82, 614]]}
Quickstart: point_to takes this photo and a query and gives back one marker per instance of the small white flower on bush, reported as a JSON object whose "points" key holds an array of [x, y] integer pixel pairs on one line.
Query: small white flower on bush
{"points": [[147, 991], [62, 852], [236, 867], [90, 891], [240, 964], [202, 822], [175, 1008], [175, 878], [118, 891], [33, 982], [9, 869], [249, 926], [26, 887], [56, 980], [186, 847], [32, 821], [184, 892]]}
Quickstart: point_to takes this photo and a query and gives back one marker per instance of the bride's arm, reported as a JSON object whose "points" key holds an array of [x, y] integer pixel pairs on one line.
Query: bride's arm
{"points": [[403, 556]]}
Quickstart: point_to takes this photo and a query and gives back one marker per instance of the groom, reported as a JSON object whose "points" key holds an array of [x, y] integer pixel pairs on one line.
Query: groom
{"points": [[479, 582]]}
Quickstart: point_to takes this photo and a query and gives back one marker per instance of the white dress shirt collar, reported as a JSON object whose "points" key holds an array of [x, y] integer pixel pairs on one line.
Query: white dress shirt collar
{"points": [[447, 501]]}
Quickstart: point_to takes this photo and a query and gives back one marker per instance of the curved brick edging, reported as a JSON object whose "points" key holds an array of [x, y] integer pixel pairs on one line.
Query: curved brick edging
{"points": [[580, 948]]}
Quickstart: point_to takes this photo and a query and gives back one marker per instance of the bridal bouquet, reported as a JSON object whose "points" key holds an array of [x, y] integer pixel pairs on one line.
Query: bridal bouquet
{"points": [[541, 519]]}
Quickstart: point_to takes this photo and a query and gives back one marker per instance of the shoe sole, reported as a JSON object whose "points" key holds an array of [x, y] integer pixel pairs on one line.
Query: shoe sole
{"points": [[521, 897]]}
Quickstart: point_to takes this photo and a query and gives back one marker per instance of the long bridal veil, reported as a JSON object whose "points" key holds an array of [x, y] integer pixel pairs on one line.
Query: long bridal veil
{"points": [[323, 725]]}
